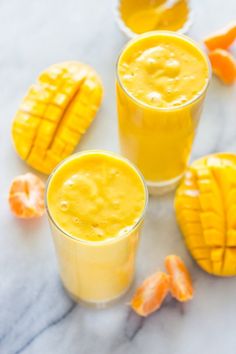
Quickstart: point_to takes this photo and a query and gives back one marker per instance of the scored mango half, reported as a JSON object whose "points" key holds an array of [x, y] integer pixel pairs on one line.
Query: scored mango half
{"points": [[55, 113], [205, 205]]}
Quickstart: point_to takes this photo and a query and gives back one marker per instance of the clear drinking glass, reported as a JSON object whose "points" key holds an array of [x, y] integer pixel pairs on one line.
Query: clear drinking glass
{"points": [[96, 272], [158, 140]]}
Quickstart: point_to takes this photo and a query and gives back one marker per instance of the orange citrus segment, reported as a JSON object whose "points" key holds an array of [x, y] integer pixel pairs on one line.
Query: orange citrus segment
{"points": [[150, 294], [26, 196], [221, 39], [223, 65], [180, 280]]}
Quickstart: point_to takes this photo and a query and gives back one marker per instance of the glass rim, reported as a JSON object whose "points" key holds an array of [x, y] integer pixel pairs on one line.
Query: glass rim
{"points": [[109, 240], [171, 34]]}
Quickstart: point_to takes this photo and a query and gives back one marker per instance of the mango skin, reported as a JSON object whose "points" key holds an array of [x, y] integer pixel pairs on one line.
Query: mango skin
{"points": [[55, 113], [205, 205]]}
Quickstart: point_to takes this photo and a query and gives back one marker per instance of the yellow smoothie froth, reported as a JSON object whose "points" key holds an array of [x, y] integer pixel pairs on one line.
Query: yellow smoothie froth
{"points": [[163, 71], [96, 196]]}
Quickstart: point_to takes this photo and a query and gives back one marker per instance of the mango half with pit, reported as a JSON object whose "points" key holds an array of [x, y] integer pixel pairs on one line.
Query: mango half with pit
{"points": [[205, 205], [55, 113]]}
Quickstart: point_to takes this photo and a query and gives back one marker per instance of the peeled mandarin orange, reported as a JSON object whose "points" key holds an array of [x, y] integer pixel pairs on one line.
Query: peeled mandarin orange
{"points": [[221, 39], [150, 294], [180, 281], [26, 196], [223, 65]]}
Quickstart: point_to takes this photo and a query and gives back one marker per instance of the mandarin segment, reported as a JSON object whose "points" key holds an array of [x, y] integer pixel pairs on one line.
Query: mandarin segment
{"points": [[150, 294], [180, 281], [223, 65], [55, 113], [208, 189], [26, 196], [221, 39]]}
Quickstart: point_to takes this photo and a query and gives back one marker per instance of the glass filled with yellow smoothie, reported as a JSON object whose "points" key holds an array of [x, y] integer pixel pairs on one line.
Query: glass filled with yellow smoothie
{"points": [[96, 202], [162, 79]]}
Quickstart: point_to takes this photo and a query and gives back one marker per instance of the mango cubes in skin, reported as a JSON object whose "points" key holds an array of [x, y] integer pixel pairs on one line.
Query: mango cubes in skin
{"points": [[205, 205], [55, 113]]}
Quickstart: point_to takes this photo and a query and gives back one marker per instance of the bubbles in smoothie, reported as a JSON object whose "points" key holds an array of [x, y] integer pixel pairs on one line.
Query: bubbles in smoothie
{"points": [[189, 77], [113, 172], [125, 230], [154, 97], [99, 232], [76, 220], [64, 205], [154, 53], [127, 77], [69, 183], [151, 65], [172, 67], [182, 99]]}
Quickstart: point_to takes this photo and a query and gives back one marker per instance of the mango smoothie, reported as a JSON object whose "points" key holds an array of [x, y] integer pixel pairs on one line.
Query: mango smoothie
{"points": [[96, 202], [162, 79]]}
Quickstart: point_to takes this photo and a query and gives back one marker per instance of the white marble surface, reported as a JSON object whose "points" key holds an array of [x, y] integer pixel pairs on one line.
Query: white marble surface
{"points": [[36, 316]]}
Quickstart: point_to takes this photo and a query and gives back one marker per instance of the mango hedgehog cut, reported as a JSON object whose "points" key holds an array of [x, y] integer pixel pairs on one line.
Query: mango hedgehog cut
{"points": [[55, 113], [205, 205]]}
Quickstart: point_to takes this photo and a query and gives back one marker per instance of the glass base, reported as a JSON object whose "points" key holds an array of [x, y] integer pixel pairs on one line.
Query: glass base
{"points": [[98, 304], [160, 188]]}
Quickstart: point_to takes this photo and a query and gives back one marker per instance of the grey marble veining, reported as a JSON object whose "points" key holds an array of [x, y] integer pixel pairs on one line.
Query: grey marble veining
{"points": [[36, 316]]}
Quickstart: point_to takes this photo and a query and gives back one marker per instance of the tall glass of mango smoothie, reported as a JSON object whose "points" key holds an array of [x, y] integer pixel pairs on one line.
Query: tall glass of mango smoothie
{"points": [[162, 79], [96, 202]]}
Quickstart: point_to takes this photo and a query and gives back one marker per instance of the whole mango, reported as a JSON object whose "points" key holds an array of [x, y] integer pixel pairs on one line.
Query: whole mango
{"points": [[55, 113], [205, 205]]}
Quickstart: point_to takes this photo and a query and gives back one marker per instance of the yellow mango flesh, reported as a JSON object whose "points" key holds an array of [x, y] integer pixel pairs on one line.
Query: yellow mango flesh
{"points": [[205, 205], [55, 113]]}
